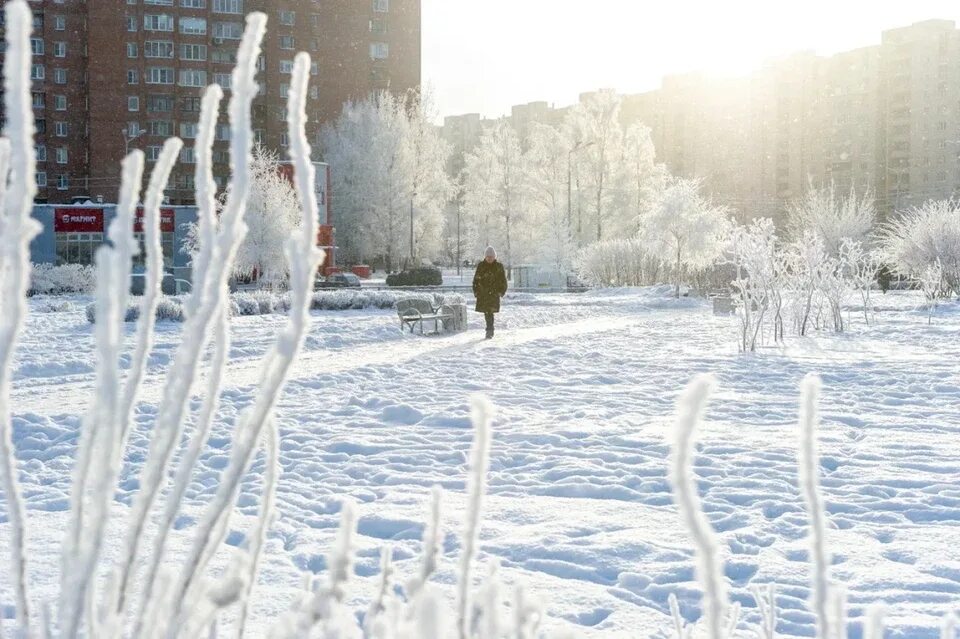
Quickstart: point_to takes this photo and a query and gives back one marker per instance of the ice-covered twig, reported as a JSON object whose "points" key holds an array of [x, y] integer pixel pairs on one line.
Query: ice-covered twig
{"points": [[808, 469], [271, 475], [100, 449], [16, 230], [374, 619], [210, 287], [679, 625], [838, 612], [767, 604], [432, 538], [303, 256], [482, 415], [948, 629], [690, 409], [490, 603], [873, 623]]}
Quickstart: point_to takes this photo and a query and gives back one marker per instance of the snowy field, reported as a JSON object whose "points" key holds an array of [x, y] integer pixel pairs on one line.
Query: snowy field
{"points": [[579, 507]]}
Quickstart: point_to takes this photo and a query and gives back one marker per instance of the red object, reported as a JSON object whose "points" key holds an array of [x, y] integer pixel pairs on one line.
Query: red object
{"points": [[78, 220], [361, 270], [330, 270], [167, 221]]}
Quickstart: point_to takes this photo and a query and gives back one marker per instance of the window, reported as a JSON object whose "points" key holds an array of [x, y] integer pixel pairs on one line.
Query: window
{"points": [[63, 181], [59, 23], [131, 49], [152, 152], [381, 6], [379, 50], [187, 156], [223, 79], [193, 26], [284, 139], [188, 130], [76, 248], [39, 100], [61, 155], [314, 68], [165, 3], [378, 26], [284, 90], [133, 103], [314, 44], [286, 66], [131, 24], [42, 178], [60, 49], [37, 22], [287, 18], [158, 49], [286, 42], [36, 46], [60, 76], [314, 19], [193, 52], [37, 72], [193, 78], [133, 76], [158, 22], [314, 92], [193, 4], [259, 136], [228, 6], [161, 127], [41, 152], [60, 102], [40, 125], [159, 75], [61, 129], [133, 129], [224, 57], [190, 104], [223, 132], [227, 30]]}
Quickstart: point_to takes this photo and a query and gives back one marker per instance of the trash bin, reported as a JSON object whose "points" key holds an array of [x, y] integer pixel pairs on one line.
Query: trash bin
{"points": [[361, 271], [458, 323]]}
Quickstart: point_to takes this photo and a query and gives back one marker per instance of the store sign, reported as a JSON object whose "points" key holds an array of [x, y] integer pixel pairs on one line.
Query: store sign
{"points": [[167, 221], [78, 220]]}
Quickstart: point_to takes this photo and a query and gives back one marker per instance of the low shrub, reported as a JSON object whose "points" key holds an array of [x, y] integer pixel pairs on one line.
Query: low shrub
{"points": [[169, 309], [425, 276], [61, 280]]}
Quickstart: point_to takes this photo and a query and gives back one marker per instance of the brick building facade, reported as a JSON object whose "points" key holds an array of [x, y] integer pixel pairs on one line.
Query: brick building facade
{"points": [[113, 75]]}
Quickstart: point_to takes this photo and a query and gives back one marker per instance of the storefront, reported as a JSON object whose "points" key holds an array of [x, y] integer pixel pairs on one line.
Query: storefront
{"points": [[72, 233]]}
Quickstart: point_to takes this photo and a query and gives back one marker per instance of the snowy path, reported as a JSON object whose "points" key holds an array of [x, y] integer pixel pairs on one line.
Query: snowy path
{"points": [[580, 507]]}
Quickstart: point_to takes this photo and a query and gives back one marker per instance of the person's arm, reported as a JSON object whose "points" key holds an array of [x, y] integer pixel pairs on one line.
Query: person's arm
{"points": [[503, 281], [476, 281]]}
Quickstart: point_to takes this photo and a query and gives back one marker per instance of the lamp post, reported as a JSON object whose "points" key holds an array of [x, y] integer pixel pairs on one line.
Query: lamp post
{"points": [[576, 147], [127, 139]]}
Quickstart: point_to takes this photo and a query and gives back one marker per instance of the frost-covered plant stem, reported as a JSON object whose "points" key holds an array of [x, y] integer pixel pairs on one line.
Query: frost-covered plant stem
{"points": [[948, 630], [17, 229], [212, 282], [690, 409], [809, 464], [221, 344], [482, 415], [303, 257], [873, 624], [271, 476], [767, 604]]}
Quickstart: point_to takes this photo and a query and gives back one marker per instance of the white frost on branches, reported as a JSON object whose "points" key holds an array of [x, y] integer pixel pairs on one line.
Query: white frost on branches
{"points": [[924, 237], [831, 217]]}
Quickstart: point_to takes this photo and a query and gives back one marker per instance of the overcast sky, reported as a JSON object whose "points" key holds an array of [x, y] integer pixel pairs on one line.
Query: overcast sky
{"points": [[486, 55]]}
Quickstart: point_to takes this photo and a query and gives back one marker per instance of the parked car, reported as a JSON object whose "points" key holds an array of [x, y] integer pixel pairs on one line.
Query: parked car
{"points": [[169, 285], [421, 276], [338, 280]]}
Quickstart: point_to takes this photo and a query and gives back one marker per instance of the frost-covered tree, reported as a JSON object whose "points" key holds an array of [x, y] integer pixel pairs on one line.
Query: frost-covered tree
{"points": [[546, 185], [925, 237], [373, 172], [494, 183], [832, 217], [595, 124], [430, 187], [683, 228], [757, 286], [640, 178], [861, 268]]}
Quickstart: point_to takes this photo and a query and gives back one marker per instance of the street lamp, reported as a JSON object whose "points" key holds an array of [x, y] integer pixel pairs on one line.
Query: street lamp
{"points": [[127, 139], [576, 147]]}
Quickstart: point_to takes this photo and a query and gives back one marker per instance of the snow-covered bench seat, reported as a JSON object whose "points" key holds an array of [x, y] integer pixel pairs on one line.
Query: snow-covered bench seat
{"points": [[413, 311]]}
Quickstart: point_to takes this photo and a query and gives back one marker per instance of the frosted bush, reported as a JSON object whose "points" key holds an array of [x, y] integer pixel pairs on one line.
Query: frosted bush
{"points": [[53, 306], [168, 309], [832, 218], [617, 263], [923, 237], [59, 280]]}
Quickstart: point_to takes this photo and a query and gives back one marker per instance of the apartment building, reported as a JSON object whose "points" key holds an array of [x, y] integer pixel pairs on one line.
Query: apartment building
{"points": [[114, 75]]}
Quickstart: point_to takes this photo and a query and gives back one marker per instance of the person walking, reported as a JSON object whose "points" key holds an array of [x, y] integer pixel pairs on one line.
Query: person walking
{"points": [[489, 285]]}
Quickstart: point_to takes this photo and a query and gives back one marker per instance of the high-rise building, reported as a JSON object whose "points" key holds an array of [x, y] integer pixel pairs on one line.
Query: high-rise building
{"points": [[114, 75]]}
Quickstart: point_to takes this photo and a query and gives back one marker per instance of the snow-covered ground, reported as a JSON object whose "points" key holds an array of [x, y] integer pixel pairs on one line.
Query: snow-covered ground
{"points": [[579, 505]]}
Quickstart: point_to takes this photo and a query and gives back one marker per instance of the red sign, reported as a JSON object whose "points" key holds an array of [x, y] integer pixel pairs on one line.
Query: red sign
{"points": [[78, 220], [325, 236], [167, 221]]}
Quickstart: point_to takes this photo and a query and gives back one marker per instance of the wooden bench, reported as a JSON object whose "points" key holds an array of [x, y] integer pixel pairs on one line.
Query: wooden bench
{"points": [[414, 311]]}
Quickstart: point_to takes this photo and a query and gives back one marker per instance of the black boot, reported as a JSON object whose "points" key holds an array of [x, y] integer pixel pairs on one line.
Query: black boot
{"points": [[489, 318]]}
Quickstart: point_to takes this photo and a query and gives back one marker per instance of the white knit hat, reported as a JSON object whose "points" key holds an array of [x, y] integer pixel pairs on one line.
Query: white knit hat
{"points": [[490, 252]]}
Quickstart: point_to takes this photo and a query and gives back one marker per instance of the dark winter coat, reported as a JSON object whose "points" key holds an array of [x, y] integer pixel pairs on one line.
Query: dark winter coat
{"points": [[489, 285]]}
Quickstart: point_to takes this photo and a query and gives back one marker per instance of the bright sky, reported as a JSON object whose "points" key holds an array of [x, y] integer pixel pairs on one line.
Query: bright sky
{"points": [[487, 55]]}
